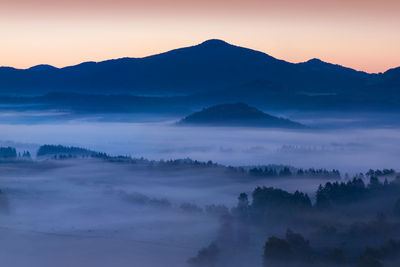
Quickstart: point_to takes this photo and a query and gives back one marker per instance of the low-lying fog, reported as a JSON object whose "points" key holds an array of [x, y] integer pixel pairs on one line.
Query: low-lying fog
{"points": [[89, 212], [349, 149]]}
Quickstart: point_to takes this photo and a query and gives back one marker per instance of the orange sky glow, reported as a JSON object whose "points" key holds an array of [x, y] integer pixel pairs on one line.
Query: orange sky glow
{"points": [[362, 34]]}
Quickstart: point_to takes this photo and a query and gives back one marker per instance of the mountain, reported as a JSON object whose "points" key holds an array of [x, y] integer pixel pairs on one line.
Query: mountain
{"points": [[210, 73], [238, 114], [390, 79], [209, 66]]}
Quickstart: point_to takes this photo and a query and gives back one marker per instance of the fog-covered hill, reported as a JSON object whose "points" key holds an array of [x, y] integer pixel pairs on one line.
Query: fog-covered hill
{"points": [[238, 114]]}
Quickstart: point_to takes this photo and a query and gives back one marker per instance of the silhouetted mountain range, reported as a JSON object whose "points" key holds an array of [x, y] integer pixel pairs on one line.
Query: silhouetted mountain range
{"points": [[213, 72], [238, 114]]}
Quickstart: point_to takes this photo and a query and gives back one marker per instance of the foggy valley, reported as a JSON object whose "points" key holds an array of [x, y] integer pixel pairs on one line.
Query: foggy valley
{"points": [[345, 145], [209, 155], [156, 192]]}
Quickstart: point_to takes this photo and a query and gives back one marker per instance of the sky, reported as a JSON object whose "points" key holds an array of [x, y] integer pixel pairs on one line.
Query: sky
{"points": [[361, 34]]}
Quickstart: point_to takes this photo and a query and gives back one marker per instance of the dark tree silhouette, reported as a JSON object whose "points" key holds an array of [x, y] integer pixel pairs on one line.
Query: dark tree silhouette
{"points": [[26, 155], [293, 248], [206, 257], [276, 249], [368, 261], [242, 214], [8, 153], [337, 256], [397, 207]]}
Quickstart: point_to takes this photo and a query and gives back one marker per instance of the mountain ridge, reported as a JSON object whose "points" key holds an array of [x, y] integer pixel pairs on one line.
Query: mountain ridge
{"points": [[209, 42], [205, 68]]}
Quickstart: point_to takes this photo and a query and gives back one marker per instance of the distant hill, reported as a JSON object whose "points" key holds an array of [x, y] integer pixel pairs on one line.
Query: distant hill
{"points": [[211, 65], [209, 73], [238, 114]]}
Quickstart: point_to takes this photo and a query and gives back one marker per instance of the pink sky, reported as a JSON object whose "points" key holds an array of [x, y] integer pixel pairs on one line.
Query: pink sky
{"points": [[360, 34]]}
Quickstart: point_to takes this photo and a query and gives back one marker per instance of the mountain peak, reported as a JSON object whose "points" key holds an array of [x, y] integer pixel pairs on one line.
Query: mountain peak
{"points": [[42, 67], [214, 42], [315, 61]]}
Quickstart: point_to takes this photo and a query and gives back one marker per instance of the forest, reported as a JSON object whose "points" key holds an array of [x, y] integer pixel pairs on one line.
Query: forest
{"points": [[350, 223], [342, 220]]}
